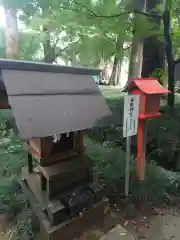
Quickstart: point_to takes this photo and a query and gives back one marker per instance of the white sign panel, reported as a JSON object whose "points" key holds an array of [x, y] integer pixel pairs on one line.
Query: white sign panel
{"points": [[131, 112]]}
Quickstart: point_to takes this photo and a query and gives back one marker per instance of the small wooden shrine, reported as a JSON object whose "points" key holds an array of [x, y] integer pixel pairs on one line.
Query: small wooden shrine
{"points": [[52, 106]]}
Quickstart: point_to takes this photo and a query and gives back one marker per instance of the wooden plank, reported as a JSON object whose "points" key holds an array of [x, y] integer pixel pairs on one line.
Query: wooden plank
{"points": [[55, 209], [57, 212], [4, 104], [56, 158], [68, 168], [55, 188], [30, 163], [42, 151], [34, 184]]}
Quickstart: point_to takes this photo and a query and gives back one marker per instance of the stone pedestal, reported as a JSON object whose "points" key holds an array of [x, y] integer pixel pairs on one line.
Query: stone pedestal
{"points": [[55, 222]]}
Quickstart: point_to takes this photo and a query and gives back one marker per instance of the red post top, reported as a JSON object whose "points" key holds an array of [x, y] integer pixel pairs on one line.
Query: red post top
{"points": [[147, 86]]}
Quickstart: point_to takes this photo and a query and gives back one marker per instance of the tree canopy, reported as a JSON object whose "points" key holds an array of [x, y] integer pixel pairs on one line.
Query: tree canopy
{"points": [[87, 32]]}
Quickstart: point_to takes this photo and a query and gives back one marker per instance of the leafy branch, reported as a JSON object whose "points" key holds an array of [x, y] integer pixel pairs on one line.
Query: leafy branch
{"points": [[84, 6], [93, 14]]}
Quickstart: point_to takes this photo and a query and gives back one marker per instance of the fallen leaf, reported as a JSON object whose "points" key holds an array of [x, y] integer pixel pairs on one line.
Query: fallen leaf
{"points": [[133, 222], [147, 226]]}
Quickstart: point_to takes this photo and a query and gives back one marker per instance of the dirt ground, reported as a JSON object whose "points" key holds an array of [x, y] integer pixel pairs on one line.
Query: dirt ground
{"points": [[161, 224], [165, 227]]}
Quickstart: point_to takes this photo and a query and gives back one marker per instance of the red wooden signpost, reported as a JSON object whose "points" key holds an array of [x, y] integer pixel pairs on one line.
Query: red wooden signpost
{"points": [[150, 91]]}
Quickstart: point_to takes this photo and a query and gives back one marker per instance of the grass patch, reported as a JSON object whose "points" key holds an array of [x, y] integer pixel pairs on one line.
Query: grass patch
{"points": [[109, 163], [109, 167], [12, 157]]}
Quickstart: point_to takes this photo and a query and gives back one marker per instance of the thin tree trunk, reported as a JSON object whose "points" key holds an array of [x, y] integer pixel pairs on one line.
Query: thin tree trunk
{"points": [[169, 54], [116, 72], [48, 49], [11, 41], [118, 59], [11, 33], [119, 71], [113, 78], [49, 53]]}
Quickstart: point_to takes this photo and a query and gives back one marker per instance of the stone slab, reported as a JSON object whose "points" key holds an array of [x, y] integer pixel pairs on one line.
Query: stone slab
{"points": [[118, 233]]}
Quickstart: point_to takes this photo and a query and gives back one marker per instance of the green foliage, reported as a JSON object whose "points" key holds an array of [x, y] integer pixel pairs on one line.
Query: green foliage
{"points": [[161, 75], [155, 186], [30, 45], [13, 201], [29, 42], [100, 35], [175, 27], [109, 166], [87, 37], [27, 226], [83, 32], [109, 162], [2, 49], [12, 158]]}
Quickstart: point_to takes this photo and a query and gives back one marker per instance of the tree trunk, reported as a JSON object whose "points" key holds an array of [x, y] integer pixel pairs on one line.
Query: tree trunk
{"points": [[152, 59], [119, 71], [135, 63], [113, 78], [118, 59], [169, 54], [116, 72], [153, 49], [11, 33], [49, 54]]}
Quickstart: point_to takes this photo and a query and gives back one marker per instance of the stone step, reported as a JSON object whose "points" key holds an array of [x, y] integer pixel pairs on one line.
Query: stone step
{"points": [[118, 233]]}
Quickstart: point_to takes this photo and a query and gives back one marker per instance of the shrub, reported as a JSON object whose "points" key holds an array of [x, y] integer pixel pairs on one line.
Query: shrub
{"points": [[109, 163], [109, 166]]}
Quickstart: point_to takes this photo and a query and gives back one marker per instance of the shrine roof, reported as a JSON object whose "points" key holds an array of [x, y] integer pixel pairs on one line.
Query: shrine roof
{"points": [[148, 85], [48, 99], [45, 67]]}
